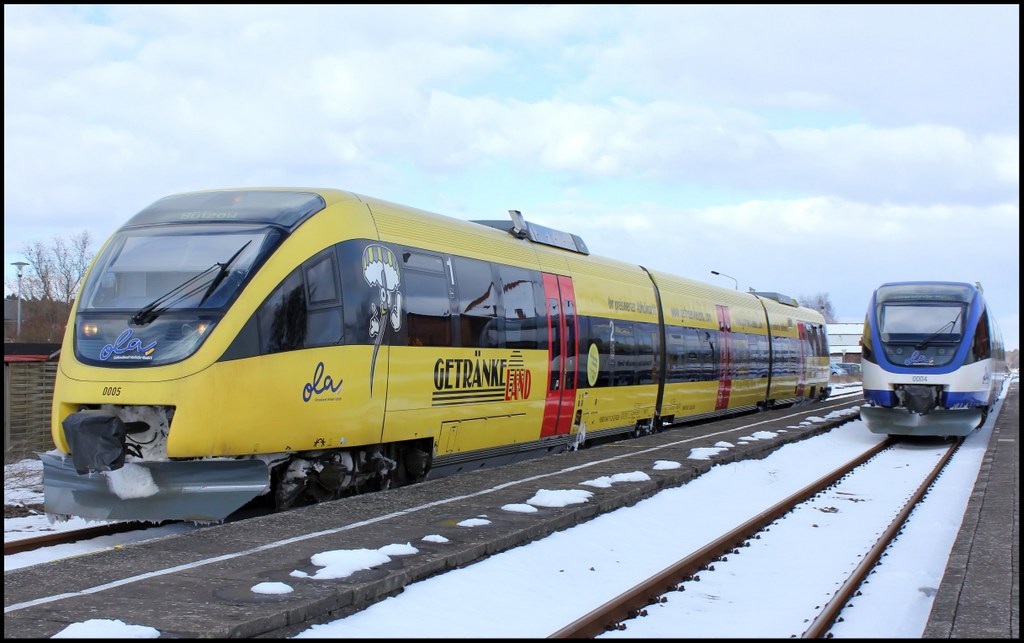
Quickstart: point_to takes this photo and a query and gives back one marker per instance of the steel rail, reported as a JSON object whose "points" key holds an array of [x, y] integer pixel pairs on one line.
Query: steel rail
{"points": [[67, 537], [827, 617], [632, 602]]}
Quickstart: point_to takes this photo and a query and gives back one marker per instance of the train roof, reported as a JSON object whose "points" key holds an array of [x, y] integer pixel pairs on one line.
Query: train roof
{"points": [[290, 206], [284, 207], [927, 290]]}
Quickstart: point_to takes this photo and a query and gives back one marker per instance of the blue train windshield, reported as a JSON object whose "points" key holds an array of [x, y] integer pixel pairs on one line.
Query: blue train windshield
{"points": [[922, 324], [909, 322]]}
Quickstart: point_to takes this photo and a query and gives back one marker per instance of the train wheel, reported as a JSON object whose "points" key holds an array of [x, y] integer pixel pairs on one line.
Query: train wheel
{"points": [[287, 484]]}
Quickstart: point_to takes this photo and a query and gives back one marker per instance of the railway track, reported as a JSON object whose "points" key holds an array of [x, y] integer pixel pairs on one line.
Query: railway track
{"points": [[69, 536], [72, 536], [636, 603]]}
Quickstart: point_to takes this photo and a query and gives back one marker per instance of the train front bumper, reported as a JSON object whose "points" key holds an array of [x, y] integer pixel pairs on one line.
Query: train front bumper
{"points": [[152, 491], [938, 422]]}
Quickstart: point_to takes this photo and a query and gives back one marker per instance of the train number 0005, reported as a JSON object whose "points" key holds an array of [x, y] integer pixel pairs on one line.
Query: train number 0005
{"points": [[112, 390]]}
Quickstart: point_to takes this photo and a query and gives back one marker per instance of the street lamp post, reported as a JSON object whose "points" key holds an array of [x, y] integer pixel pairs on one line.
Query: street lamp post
{"points": [[722, 274], [20, 265]]}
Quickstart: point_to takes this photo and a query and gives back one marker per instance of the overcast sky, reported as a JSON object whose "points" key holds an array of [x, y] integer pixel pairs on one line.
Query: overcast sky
{"points": [[804, 150]]}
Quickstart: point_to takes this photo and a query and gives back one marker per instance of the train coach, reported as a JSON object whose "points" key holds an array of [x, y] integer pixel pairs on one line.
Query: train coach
{"points": [[300, 345], [932, 357]]}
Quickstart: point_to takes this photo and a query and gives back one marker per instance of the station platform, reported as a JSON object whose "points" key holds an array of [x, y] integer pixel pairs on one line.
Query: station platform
{"points": [[979, 597]]}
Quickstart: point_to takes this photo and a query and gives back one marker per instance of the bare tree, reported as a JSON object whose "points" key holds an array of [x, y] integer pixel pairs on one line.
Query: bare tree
{"points": [[38, 274], [70, 263], [55, 271], [49, 285], [821, 303]]}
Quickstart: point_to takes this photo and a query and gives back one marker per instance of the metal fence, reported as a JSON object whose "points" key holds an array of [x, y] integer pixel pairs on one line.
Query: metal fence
{"points": [[28, 392]]}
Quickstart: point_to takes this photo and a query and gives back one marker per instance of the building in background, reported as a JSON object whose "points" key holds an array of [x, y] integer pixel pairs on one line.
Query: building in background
{"points": [[844, 342]]}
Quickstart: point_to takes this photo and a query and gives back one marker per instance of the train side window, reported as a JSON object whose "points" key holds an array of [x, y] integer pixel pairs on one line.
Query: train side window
{"points": [[760, 356], [821, 343], [740, 356], [782, 356], [625, 353], [707, 354], [322, 279], [647, 358], [427, 308], [478, 303], [324, 318], [789, 353], [519, 304], [981, 348], [282, 317], [422, 261], [542, 321], [692, 354], [675, 353]]}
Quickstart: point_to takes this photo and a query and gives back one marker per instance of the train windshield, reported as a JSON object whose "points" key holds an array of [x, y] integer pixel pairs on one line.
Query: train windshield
{"points": [[185, 267], [922, 325], [916, 323], [157, 292]]}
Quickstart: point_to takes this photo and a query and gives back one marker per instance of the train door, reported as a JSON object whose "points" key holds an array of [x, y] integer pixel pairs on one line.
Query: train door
{"points": [[802, 346], [724, 358], [563, 351]]}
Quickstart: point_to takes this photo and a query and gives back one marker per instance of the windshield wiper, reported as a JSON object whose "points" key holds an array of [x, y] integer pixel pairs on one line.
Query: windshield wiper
{"points": [[152, 310], [951, 324], [155, 308], [223, 272]]}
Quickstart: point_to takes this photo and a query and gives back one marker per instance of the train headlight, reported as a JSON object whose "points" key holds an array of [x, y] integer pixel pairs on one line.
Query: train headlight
{"points": [[199, 328], [89, 329]]}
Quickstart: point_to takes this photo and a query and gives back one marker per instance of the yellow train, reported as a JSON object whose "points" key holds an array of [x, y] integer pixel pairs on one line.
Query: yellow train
{"points": [[303, 344]]}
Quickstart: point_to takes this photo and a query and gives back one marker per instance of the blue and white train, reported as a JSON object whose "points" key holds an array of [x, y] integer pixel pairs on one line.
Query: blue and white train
{"points": [[933, 359]]}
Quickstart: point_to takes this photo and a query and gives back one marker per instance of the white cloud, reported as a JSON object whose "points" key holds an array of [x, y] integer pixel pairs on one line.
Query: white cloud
{"points": [[879, 134]]}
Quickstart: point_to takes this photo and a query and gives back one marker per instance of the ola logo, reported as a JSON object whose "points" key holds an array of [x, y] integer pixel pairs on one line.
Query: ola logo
{"points": [[593, 364]]}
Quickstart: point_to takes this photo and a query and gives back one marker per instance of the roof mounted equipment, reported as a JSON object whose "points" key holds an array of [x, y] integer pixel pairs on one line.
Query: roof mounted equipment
{"points": [[523, 229]]}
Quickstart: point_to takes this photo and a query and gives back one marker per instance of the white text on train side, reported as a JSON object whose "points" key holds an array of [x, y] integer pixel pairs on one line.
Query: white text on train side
{"points": [[631, 306]]}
